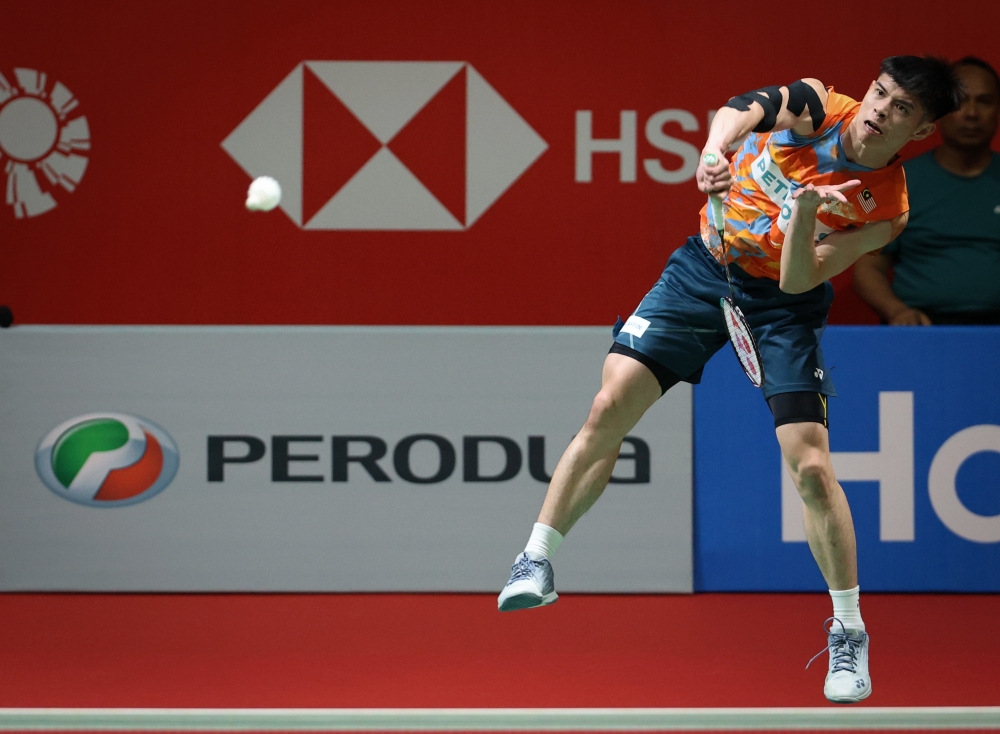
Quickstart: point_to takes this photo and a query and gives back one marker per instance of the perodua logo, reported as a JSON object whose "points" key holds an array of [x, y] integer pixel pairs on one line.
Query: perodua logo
{"points": [[40, 141], [107, 459], [386, 145]]}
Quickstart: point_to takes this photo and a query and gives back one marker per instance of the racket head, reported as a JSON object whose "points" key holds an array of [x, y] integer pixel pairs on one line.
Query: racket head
{"points": [[743, 342]]}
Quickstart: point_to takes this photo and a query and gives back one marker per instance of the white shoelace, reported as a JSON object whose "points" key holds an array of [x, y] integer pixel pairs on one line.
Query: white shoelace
{"points": [[524, 568], [843, 648]]}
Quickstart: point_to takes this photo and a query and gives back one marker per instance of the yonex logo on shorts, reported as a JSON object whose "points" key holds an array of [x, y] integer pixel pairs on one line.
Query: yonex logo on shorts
{"points": [[106, 459], [386, 145]]}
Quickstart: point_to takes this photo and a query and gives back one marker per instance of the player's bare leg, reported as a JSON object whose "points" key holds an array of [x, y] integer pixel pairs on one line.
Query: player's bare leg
{"points": [[628, 389], [829, 526], [830, 532]]}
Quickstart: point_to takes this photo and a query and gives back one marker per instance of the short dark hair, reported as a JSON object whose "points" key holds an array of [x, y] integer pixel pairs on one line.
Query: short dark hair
{"points": [[976, 61], [932, 80]]}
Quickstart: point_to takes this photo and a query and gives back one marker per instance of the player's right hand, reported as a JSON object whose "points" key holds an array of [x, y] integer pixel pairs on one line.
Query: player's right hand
{"points": [[713, 179]]}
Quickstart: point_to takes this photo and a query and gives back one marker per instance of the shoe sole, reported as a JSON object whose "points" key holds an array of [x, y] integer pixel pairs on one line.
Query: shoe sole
{"points": [[527, 601], [862, 697]]}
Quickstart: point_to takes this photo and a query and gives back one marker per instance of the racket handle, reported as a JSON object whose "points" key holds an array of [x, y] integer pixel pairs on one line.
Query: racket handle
{"points": [[710, 159]]}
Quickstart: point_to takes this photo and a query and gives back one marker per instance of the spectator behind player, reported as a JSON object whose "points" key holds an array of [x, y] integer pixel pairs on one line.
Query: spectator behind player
{"points": [[947, 261]]}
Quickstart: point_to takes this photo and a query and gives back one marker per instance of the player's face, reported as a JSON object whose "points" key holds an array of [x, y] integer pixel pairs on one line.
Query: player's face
{"points": [[974, 124], [890, 116]]}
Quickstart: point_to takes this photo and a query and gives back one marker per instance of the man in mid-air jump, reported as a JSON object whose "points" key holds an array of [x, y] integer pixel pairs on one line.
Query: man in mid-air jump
{"points": [[815, 185]]}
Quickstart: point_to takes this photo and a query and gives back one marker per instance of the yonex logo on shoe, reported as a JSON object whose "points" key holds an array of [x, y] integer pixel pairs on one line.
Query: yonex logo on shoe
{"points": [[386, 145], [107, 459], [39, 136]]}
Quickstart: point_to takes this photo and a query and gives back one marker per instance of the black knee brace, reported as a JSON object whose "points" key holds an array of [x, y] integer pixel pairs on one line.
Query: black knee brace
{"points": [[798, 407]]}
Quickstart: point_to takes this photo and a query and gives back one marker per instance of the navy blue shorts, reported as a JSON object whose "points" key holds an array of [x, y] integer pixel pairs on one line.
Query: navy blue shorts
{"points": [[680, 324]]}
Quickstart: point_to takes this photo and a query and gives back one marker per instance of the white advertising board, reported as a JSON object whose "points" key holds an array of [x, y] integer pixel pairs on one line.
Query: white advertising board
{"points": [[321, 459]]}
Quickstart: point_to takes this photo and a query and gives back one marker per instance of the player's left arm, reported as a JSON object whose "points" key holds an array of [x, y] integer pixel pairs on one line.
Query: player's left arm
{"points": [[804, 265]]}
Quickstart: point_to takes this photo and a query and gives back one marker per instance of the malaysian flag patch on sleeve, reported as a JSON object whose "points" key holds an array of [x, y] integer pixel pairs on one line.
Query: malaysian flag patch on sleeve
{"points": [[867, 201]]}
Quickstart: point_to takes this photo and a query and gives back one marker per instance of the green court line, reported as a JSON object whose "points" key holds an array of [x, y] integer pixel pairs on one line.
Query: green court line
{"points": [[507, 719]]}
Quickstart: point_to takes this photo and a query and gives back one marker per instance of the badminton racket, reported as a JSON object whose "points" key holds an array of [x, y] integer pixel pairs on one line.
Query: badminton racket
{"points": [[740, 335]]}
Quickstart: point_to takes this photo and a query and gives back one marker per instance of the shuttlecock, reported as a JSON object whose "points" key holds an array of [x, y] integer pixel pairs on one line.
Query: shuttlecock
{"points": [[264, 194]]}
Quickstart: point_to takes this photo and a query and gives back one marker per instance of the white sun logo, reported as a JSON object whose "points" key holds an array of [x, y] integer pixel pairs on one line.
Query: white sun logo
{"points": [[36, 135]]}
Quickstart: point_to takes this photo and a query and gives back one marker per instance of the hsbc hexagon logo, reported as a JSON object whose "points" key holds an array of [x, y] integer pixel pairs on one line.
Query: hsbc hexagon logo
{"points": [[107, 459], [386, 145]]}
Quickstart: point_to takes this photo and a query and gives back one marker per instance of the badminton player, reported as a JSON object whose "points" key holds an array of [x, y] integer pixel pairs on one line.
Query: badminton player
{"points": [[815, 184]]}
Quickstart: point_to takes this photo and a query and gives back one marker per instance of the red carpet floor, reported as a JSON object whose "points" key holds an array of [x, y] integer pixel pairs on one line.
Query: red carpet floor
{"points": [[402, 650]]}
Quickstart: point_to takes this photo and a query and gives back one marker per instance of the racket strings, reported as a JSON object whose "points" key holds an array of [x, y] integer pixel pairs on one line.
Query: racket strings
{"points": [[743, 343], [740, 335]]}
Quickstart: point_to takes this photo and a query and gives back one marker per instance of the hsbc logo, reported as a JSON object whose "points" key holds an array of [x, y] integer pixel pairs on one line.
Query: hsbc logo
{"points": [[385, 145]]}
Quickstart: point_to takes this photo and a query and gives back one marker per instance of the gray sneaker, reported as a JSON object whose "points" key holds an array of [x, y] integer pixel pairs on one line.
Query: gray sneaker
{"points": [[847, 680], [532, 584]]}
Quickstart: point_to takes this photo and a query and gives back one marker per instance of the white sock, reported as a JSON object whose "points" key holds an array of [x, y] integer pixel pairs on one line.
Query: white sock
{"points": [[847, 608], [543, 542]]}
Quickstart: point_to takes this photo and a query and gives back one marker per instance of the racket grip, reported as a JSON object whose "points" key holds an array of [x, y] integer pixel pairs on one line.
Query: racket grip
{"points": [[715, 202]]}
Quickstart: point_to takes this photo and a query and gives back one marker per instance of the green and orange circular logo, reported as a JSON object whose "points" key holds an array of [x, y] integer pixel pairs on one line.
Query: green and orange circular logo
{"points": [[107, 459]]}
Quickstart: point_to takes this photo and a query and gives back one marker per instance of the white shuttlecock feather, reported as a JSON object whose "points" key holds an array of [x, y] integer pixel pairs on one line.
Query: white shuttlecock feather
{"points": [[264, 194]]}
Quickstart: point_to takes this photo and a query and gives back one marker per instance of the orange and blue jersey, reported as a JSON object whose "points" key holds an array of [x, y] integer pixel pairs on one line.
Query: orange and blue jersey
{"points": [[769, 167]]}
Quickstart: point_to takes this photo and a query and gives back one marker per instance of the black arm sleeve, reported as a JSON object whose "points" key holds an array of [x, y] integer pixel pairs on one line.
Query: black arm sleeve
{"points": [[800, 96], [767, 97]]}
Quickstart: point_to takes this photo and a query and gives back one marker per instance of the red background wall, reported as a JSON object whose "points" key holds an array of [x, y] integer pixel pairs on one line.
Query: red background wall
{"points": [[156, 231]]}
